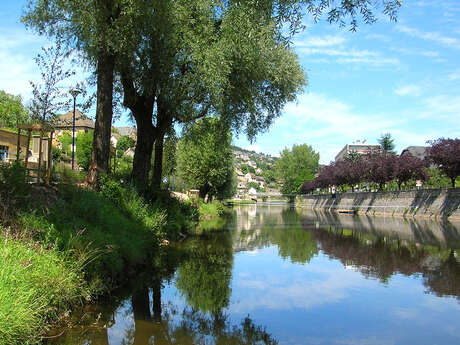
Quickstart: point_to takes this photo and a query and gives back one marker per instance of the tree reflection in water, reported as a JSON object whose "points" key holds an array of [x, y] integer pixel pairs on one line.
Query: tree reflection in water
{"points": [[203, 271], [379, 254]]}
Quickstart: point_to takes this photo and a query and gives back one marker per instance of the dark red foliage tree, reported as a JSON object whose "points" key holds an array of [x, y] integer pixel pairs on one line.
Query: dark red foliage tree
{"points": [[326, 176], [409, 167], [351, 171], [308, 187], [445, 153], [381, 167]]}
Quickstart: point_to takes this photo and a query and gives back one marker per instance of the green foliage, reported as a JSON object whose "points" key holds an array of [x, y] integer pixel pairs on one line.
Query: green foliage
{"points": [[56, 154], [84, 146], [387, 143], [244, 168], [66, 142], [12, 110], [13, 190], [64, 174], [205, 158], [36, 286], [296, 166], [204, 278], [49, 96], [211, 209], [125, 142], [437, 179], [169, 155], [124, 169], [254, 185]]}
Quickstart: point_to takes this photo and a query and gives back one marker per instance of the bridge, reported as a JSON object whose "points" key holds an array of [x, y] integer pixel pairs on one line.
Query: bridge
{"points": [[271, 197]]}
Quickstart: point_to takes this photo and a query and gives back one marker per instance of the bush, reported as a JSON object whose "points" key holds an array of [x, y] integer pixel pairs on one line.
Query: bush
{"points": [[13, 189]]}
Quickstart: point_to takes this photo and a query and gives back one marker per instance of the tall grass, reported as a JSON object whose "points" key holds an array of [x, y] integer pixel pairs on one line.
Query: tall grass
{"points": [[82, 242], [84, 221], [36, 286], [211, 209]]}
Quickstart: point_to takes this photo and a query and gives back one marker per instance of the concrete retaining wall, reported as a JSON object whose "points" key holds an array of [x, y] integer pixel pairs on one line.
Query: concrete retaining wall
{"points": [[444, 203]]}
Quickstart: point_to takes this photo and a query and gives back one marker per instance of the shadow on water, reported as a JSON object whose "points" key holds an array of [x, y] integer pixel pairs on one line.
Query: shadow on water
{"points": [[186, 297]]}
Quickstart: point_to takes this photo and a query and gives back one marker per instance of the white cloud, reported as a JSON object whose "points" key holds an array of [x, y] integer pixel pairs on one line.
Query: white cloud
{"points": [[351, 56], [320, 41], [451, 42], [406, 51], [408, 90], [374, 61], [337, 52]]}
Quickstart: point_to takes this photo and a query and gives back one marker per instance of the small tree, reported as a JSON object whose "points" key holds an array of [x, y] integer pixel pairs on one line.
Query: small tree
{"points": [[446, 154], [409, 167], [49, 97], [387, 143], [12, 112], [308, 187], [381, 167], [296, 166], [205, 158], [125, 142], [84, 145]]}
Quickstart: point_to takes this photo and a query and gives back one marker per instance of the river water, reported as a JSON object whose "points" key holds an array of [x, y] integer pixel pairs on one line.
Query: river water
{"points": [[276, 275]]}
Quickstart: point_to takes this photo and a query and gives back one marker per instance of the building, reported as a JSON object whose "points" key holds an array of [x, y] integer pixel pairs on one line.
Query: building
{"points": [[362, 148], [421, 152], [127, 132], [65, 123], [9, 145]]}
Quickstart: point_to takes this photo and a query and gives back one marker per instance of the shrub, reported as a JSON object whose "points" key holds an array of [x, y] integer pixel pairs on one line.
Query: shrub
{"points": [[13, 189]]}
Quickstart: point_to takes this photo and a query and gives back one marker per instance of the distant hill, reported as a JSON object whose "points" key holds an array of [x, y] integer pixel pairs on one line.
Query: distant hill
{"points": [[254, 170]]}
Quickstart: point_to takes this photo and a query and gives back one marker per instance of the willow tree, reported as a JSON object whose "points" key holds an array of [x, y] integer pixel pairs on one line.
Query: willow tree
{"points": [[205, 58], [224, 58], [226, 52]]}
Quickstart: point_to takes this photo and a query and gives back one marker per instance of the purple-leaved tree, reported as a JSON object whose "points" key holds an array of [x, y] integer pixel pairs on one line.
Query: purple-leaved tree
{"points": [[445, 153]]}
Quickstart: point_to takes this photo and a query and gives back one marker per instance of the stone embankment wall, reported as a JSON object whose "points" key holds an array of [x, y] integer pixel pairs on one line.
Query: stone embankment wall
{"points": [[442, 203]]}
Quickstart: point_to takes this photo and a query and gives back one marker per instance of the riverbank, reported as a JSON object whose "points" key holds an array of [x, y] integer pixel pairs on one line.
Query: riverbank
{"points": [[71, 245], [435, 203]]}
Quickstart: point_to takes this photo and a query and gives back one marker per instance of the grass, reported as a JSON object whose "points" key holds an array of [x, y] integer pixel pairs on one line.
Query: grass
{"points": [[211, 209], [61, 246], [120, 226], [37, 285]]}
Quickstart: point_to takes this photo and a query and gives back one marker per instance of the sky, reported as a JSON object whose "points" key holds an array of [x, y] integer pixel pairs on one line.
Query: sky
{"points": [[398, 77]]}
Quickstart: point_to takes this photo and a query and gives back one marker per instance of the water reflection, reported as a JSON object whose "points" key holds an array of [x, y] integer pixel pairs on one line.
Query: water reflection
{"points": [[282, 276]]}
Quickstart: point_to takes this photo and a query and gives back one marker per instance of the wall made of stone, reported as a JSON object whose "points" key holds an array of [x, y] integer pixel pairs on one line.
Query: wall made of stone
{"points": [[416, 203]]}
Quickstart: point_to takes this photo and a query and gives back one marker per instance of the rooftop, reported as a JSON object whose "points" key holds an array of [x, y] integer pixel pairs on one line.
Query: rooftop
{"points": [[81, 120]]}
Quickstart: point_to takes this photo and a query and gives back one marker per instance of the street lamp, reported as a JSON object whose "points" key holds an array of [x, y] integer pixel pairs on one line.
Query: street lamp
{"points": [[74, 93]]}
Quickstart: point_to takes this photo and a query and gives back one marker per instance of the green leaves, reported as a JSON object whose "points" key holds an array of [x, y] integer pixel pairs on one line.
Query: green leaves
{"points": [[295, 167], [205, 158], [12, 111]]}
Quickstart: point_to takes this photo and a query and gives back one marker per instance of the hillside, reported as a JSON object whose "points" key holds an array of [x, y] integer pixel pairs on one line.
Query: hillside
{"points": [[254, 170]]}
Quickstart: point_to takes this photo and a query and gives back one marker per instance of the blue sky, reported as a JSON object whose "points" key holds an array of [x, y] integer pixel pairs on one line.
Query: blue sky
{"points": [[402, 78]]}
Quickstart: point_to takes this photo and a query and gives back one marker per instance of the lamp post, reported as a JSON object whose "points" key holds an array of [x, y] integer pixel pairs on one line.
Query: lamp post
{"points": [[74, 93]]}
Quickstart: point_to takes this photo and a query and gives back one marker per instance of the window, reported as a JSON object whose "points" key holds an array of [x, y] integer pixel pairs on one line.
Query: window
{"points": [[3, 153]]}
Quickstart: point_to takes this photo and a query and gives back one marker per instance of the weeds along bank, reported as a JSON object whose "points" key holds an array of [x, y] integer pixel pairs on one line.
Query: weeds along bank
{"points": [[63, 246]]}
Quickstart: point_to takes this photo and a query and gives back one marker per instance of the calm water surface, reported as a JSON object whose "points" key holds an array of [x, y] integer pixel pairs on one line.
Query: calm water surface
{"points": [[276, 275]]}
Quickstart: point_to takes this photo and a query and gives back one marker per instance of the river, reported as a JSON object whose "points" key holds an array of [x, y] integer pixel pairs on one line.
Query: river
{"points": [[276, 275]]}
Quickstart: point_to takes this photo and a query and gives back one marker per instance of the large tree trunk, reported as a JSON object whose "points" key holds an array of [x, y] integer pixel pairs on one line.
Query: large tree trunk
{"points": [[143, 152], [158, 162], [452, 179], [101, 144]]}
